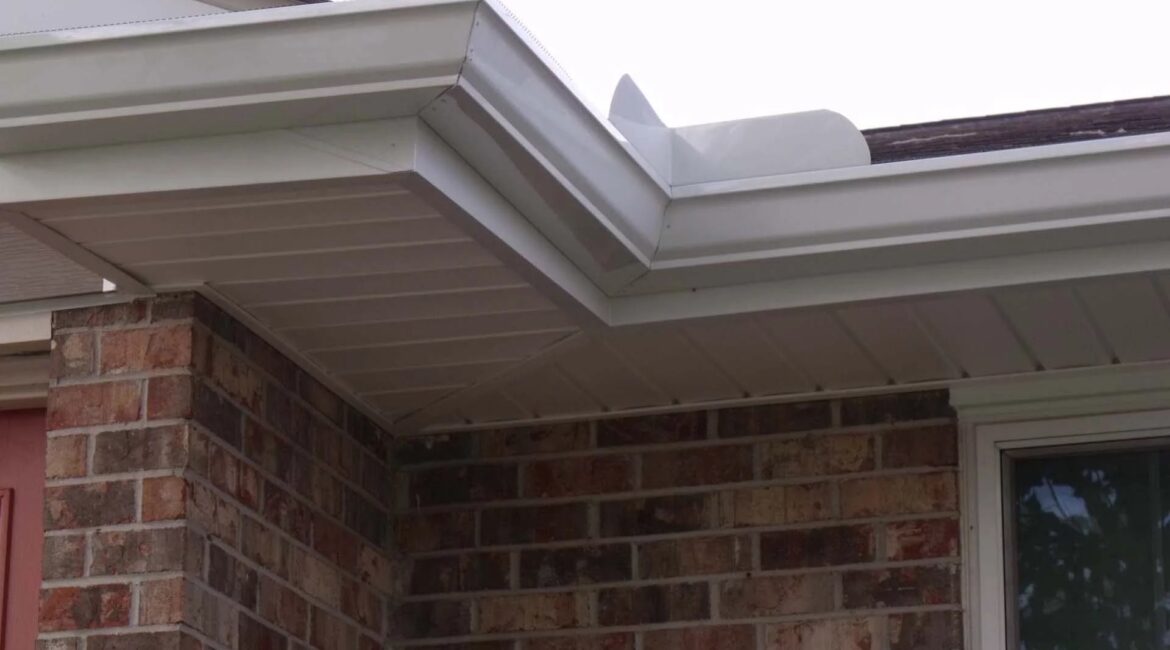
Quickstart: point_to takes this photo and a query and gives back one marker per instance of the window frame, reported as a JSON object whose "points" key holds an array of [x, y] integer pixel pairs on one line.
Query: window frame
{"points": [[988, 444]]}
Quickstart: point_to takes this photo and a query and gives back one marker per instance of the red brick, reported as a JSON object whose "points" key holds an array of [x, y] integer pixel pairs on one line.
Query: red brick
{"points": [[215, 412], [817, 547], [539, 439], [172, 306], [921, 447], [169, 397], [732, 637], [533, 612], [703, 466], [435, 531], [93, 404], [456, 573], [778, 504], [579, 476], [223, 469], [659, 515], [162, 602], [329, 632], [898, 495], [314, 578], [534, 524], [164, 498], [230, 577], [84, 608], [138, 551], [926, 631], [63, 557], [73, 643], [769, 419], [901, 587], [145, 349], [338, 545], [919, 539], [362, 605], [87, 505], [236, 377], [65, 457], [436, 618], [172, 640], [617, 641], [466, 484], [134, 450], [777, 595], [101, 316], [899, 407], [72, 355], [283, 607], [214, 514], [653, 604], [323, 400], [817, 455], [650, 429], [375, 569], [839, 634], [694, 556], [264, 546], [254, 635], [580, 565]]}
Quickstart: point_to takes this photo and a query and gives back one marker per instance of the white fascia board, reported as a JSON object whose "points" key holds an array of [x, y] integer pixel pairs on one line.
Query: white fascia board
{"points": [[1067, 393], [268, 157], [21, 333], [915, 212], [24, 381], [519, 123], [225, 73], [890, 283], [467, 70]]}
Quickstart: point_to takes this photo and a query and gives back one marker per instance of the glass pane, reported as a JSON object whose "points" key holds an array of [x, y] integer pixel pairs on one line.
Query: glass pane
{"points": [[1088, 551]]}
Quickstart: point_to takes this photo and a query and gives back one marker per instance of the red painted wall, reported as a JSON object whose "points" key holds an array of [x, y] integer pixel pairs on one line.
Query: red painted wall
{"points": [[22, 468]]}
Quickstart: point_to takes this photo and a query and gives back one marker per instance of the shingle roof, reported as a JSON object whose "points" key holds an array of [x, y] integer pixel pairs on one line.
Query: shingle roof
{"points": [[1013, 130]]}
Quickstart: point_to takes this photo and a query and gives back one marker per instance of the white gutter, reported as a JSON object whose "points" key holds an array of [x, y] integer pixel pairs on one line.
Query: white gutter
{"points": [[496, 100]]}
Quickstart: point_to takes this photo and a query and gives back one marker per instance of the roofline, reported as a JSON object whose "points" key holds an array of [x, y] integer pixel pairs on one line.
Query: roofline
{"points": [[464, 70], [1022, 129]]}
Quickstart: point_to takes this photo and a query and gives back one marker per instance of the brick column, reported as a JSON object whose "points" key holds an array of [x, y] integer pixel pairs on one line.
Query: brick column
{"points": [[204, 492]]}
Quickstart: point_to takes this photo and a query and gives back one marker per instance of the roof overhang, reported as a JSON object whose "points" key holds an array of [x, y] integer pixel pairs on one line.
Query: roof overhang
{"points": [[489, 93], [453, 101]]}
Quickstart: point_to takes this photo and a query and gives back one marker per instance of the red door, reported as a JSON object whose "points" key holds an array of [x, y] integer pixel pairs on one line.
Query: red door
{"points": [[22, 486]]}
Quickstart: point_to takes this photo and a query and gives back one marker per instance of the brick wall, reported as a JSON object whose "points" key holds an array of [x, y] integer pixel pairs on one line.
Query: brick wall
{"points": [[818, 526], [204, 492]]}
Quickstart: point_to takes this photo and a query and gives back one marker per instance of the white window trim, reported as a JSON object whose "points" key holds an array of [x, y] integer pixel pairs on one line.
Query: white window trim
{"points": [[1100, 405]]}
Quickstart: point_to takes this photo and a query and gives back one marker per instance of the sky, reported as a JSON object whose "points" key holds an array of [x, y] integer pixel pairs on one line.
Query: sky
{"points": [[880, 63]]}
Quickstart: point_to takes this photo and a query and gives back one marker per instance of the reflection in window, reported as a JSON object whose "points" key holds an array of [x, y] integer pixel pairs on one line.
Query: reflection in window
{"points": [[1089, 531]]}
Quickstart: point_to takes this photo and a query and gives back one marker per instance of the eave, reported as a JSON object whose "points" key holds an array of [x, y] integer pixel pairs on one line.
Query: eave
{"points": [[450, 104]]}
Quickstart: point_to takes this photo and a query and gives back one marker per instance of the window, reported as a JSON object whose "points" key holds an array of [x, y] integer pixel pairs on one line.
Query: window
{"points": [[1086, 544], [1069, 523]]}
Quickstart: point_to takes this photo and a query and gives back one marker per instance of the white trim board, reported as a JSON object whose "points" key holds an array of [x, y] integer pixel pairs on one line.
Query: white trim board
{"points": [[473, 75], [24, 381], [20, 333], [1100, 405]]}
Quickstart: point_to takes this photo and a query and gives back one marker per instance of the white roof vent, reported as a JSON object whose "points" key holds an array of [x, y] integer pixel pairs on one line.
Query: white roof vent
{"points": [[722, 151]]}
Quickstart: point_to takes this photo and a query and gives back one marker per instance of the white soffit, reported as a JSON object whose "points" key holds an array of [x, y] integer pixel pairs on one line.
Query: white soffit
{"points": [[30, 270], [772, 237], [432, 220]]}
